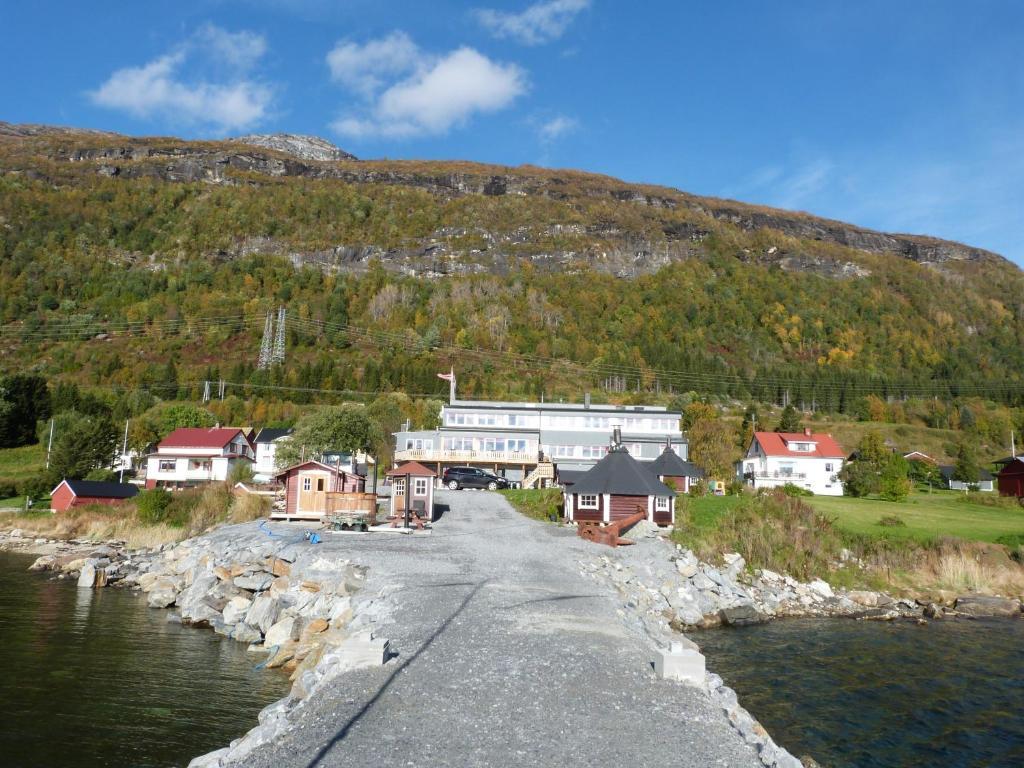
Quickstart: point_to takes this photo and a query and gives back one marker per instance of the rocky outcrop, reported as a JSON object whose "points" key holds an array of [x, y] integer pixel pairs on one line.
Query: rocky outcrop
{"points": [[288, 155], [302, 147]]}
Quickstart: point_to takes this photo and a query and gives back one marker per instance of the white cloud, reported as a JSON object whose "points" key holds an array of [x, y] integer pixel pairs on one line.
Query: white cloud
{"points": [[539, 23], [162, 88], [424, 95], [557, 127], [365, 68]]}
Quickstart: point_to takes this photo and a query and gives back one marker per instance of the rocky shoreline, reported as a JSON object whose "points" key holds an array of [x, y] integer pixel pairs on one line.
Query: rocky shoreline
{"points": [[305, 613]]}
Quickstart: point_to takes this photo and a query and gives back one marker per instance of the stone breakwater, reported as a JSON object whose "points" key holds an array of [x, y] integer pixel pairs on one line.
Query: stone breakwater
{"points": [[302, 608]]}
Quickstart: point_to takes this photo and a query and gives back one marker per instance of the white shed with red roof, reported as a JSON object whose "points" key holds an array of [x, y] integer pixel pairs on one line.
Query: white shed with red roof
{"points": [[195, 455], [806, 459]]}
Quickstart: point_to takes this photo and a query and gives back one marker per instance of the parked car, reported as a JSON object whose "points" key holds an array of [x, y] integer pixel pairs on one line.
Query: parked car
{"points": [[457, 478]]}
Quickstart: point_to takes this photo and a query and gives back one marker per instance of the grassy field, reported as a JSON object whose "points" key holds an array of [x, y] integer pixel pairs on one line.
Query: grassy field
{"points": [[542, 504], [925, 516], [25, 463]]}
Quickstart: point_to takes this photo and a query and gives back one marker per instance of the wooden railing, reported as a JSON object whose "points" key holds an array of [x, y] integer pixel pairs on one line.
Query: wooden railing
{"points": [[468, 457]]}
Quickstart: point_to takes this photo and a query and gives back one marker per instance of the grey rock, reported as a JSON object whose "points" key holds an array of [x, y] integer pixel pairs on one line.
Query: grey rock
{"points": [[257, 582], [263, 613], [983, 606], [742, 615]]}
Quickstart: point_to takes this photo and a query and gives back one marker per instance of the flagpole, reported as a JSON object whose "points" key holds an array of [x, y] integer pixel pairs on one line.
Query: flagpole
{"points": [[451, 386]]}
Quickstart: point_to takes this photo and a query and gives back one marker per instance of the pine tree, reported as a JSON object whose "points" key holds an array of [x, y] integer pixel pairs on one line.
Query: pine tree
{"points": [[790, 420]]}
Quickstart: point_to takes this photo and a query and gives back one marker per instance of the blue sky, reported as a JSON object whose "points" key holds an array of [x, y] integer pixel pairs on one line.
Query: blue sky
{"points": [[902, 116]]}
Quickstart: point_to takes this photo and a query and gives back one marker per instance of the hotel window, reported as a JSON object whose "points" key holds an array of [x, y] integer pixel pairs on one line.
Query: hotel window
{"points": [[563, 451], [419, 486], [661, 503], [517, 420], [168, 466], [588, 501], [517, 446]]}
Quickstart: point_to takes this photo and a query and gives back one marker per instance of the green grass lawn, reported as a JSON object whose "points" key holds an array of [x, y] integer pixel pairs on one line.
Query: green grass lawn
{"points": [[25, 463], [926, 516], [540, 504]]}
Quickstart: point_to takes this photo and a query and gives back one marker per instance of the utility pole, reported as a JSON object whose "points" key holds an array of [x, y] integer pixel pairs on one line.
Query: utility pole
{"points": [[223, 387], [49, 445], [267, 344], [124, 447]]}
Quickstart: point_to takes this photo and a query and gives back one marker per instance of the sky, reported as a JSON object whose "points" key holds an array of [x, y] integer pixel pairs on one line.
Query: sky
{"points": [[900, 116]]}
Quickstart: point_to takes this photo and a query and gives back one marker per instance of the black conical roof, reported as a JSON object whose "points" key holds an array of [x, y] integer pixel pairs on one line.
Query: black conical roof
{"points": [[668, 464], [620, 474]]}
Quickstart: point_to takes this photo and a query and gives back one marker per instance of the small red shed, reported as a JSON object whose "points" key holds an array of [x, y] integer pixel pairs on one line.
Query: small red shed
{"points": [[307, 486], [412, 489], [1011, 478], [76, 493]]}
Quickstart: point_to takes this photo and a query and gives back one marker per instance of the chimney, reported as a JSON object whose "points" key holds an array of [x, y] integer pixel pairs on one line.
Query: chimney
{"points": [[586, 399], [807, 431], [616, 436]]}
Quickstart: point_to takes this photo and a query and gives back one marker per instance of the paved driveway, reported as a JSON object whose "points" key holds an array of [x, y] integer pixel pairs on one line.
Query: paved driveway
{"points": [[507, 656]]}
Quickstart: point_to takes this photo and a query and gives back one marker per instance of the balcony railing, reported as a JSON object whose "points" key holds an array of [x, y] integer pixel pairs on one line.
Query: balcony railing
{"points": [[468, 457], [780, 476]]}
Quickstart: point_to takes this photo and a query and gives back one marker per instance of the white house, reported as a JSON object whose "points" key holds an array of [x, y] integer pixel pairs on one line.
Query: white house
{"points": [[266, 453], [194, 455], [808, 460]]}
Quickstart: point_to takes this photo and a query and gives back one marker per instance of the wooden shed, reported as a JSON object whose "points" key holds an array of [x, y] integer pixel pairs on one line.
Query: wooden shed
{"points": [[617, 487], [1011, 478], [674, 472], [412, 489], [311, 489], [75, 493]]}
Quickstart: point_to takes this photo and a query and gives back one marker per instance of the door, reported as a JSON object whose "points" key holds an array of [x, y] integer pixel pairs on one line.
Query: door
{"points": [[313, 493]]}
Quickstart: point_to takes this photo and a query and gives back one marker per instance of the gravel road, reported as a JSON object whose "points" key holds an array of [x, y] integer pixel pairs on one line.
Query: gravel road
{"points": [[506, 655]]}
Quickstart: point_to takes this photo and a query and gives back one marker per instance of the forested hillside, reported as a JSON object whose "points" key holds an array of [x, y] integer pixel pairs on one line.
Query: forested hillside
{"points": [[150, 264]]}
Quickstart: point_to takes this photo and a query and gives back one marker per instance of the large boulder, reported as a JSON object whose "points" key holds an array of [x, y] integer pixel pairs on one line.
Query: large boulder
{"points": [[162, 596], [236, 609], [984, 606], [741, 615], [87, 577], [263, 613], [284, 630], [257, 582]]}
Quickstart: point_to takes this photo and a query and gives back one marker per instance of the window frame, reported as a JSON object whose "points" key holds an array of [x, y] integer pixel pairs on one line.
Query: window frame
{"points": [[419, 483], [581, 501]]}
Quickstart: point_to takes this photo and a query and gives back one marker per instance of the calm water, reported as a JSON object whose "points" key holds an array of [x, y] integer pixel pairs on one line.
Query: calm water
{"points": [[881, 694], [95, 678]]}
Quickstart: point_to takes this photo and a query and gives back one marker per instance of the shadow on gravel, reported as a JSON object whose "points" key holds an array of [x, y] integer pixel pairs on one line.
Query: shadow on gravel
{"points": [[365, 709], [439, 510], [556, 598]]}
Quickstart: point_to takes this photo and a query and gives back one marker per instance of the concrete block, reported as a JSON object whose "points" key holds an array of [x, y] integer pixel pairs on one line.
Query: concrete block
{"points": [[365, 650], [678, 662]]}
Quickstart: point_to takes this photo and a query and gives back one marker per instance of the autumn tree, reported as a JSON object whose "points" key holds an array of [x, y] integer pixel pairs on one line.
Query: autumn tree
{"points": [[712, 445], [348, 428]]}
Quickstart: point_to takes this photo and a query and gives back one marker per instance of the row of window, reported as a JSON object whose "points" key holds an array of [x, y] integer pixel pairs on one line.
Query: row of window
{"points": [[628, 423], [485, 419], [419, 486], [590, 501], [492, 444], [194, 465]]}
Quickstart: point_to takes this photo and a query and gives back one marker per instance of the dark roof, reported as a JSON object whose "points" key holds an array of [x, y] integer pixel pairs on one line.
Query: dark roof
{"points": [[947, 472], [94, 489], [413, 468], [267, 435], [569, 477], [668, 464], [620, 474]]}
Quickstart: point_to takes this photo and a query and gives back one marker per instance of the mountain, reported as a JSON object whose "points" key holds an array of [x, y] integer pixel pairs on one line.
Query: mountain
{"points": [[635, 283]]}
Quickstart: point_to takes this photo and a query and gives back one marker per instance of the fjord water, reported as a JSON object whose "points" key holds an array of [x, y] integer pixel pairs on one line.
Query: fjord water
{"points": [[869, 694], [95, 678]]}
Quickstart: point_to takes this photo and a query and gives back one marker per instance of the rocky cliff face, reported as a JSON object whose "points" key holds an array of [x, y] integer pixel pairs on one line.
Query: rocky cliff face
{"points": [[626, 254], [302, 147]]}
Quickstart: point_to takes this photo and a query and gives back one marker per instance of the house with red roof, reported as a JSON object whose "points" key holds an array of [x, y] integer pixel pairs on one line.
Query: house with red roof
{"points": [[806, 459], [195, 455]]}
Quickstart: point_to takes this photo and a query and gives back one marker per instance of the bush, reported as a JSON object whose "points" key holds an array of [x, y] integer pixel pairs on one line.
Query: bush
{"points": [[153, 506], [795, 491], [892, 521], [36, 488], [241, 473], [699, 489], [103, 476], [735, 488], [7, 489]]}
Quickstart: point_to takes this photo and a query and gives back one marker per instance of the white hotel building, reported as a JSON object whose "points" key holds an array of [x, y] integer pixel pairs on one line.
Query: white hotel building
{"points": [[523, 441]]}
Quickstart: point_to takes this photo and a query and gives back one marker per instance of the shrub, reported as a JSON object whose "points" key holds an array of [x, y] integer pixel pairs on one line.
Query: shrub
{"points": [[153, 506], [892, 521], [241, 473], [795, 491], [36, 488], [103, 475], [699, 489], [7, 489], [735, 488]]}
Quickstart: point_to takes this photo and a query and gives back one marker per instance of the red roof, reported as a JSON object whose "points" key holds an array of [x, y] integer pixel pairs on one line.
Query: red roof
{"points": [[201, 437], [413, 468], [777, 444]]}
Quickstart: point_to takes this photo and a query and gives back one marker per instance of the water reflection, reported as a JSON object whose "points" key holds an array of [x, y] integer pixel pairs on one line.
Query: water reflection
{"points": [[869, 694], [95, 678]]}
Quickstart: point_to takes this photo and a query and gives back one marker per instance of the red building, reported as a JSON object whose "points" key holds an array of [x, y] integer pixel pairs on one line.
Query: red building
{"points": [[1011, 478], [307, 486], [76, 493], [615, 488]]}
